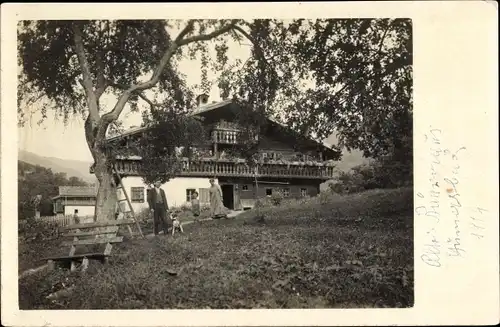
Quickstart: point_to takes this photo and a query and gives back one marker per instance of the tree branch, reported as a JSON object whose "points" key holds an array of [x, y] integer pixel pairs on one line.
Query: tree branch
{"points": [[254, 43], [87, 77], [101, 81], [209, 36], [189, 28], [123, 99], [140, 94]]}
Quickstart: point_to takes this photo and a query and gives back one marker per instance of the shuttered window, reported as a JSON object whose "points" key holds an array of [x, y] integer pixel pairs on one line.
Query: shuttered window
{"points": [[137, 194], [204, 195], [189, 194]]}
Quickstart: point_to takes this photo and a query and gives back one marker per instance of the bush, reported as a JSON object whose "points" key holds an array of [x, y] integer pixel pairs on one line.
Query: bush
{"points": [[263, 203], [324, 198], [276, 198], [383, 173], [37, 239]]}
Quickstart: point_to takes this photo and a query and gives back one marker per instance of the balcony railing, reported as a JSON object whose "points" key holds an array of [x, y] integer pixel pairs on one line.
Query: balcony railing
{"points": [[206, 168], [227, 136]]}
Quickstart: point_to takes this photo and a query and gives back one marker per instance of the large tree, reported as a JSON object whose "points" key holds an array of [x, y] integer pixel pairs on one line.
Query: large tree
{"points": [[352, 76]]}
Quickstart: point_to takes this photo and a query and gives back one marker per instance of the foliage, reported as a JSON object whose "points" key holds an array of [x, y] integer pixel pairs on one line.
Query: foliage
{"points": [[277, 198], [37, 180], [362, 73], [349, 75], [37, 239], [305, 256], [70, 65], [158, 147], [385, 172]]}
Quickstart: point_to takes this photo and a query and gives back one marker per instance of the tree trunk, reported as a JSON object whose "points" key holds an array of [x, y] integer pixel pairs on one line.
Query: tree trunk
{"points": [[106, 193]]}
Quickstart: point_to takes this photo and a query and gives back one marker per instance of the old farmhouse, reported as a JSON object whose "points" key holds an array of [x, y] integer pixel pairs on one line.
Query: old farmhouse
{"points": [[71, 198], [292, 164]]}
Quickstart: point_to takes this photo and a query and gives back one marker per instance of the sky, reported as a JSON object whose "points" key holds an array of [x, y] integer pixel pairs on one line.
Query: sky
{"points": [[55, 139]]}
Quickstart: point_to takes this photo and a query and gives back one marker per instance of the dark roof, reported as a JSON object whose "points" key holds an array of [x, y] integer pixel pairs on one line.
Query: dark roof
{"points": [[196, 112], [77, 191], [207, 108]]}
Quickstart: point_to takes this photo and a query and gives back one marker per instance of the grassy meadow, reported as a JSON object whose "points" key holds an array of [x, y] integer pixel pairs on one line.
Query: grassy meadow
{"points": [[330, 251]]}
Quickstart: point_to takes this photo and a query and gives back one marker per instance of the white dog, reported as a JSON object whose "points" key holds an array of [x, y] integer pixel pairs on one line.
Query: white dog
{"points": [[176, 224]]}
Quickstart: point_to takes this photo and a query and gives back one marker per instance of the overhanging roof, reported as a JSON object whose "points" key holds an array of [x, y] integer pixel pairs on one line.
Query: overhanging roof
{"points": [[202, 110], [196, 112], [76, 191]]}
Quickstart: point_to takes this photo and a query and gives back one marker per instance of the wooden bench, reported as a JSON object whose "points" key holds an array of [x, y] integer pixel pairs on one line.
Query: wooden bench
{"points": [[96, 233]]}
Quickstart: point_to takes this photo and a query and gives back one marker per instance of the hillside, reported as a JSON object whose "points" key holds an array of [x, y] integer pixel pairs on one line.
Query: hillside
{"points": [[75, 168], [333, 252], [349, 159]]}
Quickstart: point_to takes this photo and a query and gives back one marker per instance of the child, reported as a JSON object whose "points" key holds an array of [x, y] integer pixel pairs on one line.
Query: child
{"points": [[195, 206], [75, 217]]}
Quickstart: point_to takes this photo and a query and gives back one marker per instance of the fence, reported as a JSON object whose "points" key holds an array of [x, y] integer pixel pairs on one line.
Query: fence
{"points": [[65, 220]]}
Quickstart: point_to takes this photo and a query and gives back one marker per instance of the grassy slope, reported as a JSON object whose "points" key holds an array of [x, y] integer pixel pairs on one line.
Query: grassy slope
{"points": [[300, 256]]}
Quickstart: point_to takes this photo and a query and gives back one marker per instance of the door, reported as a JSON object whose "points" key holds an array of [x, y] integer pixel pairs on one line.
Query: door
{"points": [[228, 196]]}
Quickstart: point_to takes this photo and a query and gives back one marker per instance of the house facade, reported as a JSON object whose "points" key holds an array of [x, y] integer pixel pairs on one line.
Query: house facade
{"points": [[71, 198], [290, 164]]}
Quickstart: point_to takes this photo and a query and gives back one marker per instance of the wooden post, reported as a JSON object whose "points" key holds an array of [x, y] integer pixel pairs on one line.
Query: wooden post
{"points": [[107, 252], [85, 264], [72, 251]]}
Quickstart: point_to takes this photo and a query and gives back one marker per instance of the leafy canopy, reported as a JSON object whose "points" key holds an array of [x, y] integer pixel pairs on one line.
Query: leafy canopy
{"points": [[349, 76]]}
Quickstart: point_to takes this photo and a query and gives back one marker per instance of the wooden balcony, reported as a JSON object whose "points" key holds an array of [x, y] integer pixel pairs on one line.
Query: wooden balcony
{"points": [[227, 136], [209, 168]]}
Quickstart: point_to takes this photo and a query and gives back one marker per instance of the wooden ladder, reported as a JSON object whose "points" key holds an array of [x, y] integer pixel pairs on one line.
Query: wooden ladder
{"points": [[130, 214]]}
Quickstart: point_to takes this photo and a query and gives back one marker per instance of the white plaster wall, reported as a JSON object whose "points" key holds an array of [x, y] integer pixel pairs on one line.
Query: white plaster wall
{"points": [[69, 210], [175, 189]]}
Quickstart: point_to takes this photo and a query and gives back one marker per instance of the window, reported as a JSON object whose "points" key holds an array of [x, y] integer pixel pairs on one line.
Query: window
{"points": [[204, 195], [137, 194], [303, 192], [244, 187], [269, 191], [189, 194], [286, 192]]}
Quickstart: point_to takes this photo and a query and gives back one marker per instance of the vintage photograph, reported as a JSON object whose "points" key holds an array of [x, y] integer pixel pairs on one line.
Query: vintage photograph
{"points": [[215, 164]]}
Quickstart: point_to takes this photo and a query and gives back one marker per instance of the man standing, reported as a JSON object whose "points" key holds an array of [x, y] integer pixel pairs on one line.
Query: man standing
{"points": [[157, 201]]}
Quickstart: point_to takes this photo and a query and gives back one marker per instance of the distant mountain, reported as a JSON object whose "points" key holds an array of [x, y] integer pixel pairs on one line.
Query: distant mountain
{"points": [[74, 168], [348, 161]]}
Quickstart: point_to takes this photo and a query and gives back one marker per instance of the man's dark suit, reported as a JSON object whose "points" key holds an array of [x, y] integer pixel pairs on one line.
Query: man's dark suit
{"points": [[160, 207]]}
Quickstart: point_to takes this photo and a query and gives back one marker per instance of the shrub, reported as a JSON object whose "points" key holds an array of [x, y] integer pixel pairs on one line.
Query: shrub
{"points": [[277, 198], [143, 215], [324, 197], [382, 173], [263, 203], [37, 239], [32, 230]]}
